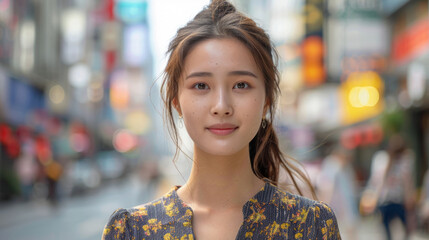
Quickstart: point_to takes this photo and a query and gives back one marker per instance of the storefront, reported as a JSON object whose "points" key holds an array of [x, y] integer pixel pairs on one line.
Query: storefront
{"points": [[409, 69]]}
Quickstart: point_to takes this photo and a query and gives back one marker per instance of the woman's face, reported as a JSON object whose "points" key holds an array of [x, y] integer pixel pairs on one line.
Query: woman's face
{"points": [[221, 96]]}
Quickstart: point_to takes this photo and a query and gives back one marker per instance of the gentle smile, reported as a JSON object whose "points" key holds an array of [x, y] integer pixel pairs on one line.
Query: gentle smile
{"points": [[222, 129]]}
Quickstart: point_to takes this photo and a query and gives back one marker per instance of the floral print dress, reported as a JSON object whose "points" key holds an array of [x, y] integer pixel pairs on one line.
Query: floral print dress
{"points": [[271, 214]]}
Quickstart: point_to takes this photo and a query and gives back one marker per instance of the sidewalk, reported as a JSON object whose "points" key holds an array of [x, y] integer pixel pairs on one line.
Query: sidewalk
{"points": [[80, 217], [371, 228]]}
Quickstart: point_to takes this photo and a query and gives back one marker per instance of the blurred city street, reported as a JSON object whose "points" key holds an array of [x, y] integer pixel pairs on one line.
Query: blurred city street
{"points": [[82, 130], [83, 217]]}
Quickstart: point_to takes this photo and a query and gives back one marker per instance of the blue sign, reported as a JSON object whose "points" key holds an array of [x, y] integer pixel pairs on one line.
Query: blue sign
{"points": [[22, 101], [131, 11]]}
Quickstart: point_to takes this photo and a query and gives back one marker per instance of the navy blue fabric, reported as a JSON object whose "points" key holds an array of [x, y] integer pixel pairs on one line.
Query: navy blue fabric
{"points": [[271, 214]]}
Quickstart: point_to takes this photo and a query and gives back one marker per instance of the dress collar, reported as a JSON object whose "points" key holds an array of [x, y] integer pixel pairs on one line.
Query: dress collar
{"points": [[180, 211], [257, 202]]}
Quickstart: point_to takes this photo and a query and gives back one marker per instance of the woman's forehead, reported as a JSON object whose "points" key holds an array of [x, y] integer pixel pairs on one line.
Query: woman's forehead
{"points": [[227, 54]]}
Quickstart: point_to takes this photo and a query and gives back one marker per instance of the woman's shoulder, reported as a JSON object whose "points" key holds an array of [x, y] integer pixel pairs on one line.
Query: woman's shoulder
{"points": [[125, 222], [140, 211], [293, 215], [284, 197], [299, 206]]}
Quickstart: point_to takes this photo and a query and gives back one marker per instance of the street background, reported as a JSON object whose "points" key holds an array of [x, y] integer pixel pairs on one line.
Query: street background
{"points": [[81, 126]]}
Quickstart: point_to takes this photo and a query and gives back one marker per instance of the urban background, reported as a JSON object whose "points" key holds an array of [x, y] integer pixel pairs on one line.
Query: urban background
{"points": [[81, 127]]}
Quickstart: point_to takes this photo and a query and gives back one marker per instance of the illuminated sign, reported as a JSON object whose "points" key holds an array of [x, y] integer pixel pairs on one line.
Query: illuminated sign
{"points": [[361, 96], [312, 45], [362, 136], [131, 11], [411, 43]]}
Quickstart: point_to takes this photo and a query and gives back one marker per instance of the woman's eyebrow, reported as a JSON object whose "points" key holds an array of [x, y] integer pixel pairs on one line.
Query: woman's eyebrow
{"points": [[232, 73], [199, 74], [241, 73]]}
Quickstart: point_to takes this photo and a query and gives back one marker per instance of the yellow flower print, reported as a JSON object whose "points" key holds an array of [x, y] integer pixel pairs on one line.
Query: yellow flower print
{"points": [[169, 220], [324, 230], [317, 212], [326, 207], [300, 216], [140, 212], [289, 202], [186, 219], [299, 232], [168, 237], [154, 224], [187, 237], [187, 224], [119, 225], [171, 209], [257, 216], [188, 212], [146, 230], [303, 214], [285, 226], [274, 228], [253, 200], [106, 231]]}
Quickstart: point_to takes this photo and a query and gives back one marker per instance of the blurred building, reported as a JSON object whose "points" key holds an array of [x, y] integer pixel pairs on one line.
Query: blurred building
{"points": [[353, 71], [409, 73], [81, 74], [77, 73]]}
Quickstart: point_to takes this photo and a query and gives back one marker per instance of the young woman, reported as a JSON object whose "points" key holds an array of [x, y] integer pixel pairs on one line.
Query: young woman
{"points": [[222, 81]]}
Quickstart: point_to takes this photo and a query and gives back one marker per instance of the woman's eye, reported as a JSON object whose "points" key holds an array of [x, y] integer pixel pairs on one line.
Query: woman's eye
{"points": [[201, 86], [241, 85]]}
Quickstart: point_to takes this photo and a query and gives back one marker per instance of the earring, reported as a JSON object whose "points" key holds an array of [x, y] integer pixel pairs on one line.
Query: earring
{"points": [[264, 122], [180, 121]]}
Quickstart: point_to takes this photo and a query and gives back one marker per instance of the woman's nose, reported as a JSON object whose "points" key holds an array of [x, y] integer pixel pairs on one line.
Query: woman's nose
{"points": [[222, 103]]}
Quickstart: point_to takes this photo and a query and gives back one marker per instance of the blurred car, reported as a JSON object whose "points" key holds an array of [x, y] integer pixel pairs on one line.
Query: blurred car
{"points": [[83, 175], [112, 165]]}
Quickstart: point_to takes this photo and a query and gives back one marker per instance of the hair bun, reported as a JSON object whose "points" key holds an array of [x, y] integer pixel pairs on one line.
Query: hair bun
{"points": [[220, 8]]}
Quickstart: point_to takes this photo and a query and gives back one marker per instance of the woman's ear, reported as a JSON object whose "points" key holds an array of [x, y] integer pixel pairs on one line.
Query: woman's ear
{"points": [[266, 106], [176, 106]]}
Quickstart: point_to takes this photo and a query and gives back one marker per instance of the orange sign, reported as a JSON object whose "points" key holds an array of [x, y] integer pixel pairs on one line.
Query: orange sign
{"points": [[411, 42], [313, 66]]}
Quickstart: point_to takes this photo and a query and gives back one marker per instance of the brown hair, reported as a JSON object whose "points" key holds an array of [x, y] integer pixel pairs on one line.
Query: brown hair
{"points": [[220, 19]]}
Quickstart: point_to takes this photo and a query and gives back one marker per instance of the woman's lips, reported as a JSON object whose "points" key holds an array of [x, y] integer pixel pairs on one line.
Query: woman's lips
{"points": [[222, 129]]}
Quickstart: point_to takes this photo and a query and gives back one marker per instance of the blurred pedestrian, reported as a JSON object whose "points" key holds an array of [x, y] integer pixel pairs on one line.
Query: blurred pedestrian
{"points": [[392, 185], [27, 168], [336, 185], [222, 81], [52, 170], [369, 198]]}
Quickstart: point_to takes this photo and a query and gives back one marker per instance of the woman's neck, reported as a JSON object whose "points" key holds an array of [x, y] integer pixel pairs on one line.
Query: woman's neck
{"points": [[220, 181]]}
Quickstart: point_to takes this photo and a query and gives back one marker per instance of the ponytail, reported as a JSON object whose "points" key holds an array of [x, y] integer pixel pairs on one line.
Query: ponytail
{"points": [[267, 160]]}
